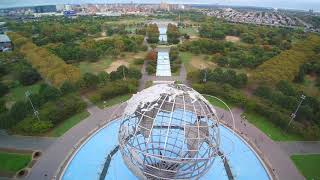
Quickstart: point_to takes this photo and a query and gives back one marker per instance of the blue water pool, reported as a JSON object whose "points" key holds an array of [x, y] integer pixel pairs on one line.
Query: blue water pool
{"points": [[89, 161], [163, 64], [163, 34]]}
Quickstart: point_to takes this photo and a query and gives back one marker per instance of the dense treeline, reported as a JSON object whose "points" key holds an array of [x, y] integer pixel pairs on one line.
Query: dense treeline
{"points": [[279, 37], [272, 112], [287, 97], [92, 50], [228, 54], [175, 61], [54, 106], [286, 65], [50, 67], [250, 57], [312, 68], [153, 33], [114, 89], [220, 76], [206, 46], [173, 34], [151, 58], [50, 114]]}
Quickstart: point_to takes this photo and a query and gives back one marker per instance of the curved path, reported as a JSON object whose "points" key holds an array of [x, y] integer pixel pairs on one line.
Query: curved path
{"points": [[276, 157], [300, 147], [25, 142], [277, 153], [57, 150], [48, 165]]}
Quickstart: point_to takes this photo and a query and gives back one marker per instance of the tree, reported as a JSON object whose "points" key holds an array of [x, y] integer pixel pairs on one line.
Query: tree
{"points": [[248, 38], [3, 107], [29, 76], [103, 77], [48, 92], [286, 88], [173, 34], [152, 55], [68, 87], [20, 110], [49, 66], [3, 89], [153, 33], [90, 80]]}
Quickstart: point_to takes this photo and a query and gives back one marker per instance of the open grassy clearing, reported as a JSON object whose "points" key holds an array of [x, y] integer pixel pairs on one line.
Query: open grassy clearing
{"points": [[308, 165], [113, 101], [68, 124], [18, 93], [95, 67], [191, 31], [115, 64], [271, 130], [110, 64], [195, 62], [217, 103], [12, 162], [309, 86], [233, 39]]}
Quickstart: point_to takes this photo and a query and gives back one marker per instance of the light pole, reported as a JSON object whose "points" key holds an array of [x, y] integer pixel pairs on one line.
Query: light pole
{"points": [[124, 74], [35, 112], [205, 75], [294, 114]]}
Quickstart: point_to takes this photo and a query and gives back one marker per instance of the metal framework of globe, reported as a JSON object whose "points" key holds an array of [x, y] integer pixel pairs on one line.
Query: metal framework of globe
{"points": [[169, 132]]}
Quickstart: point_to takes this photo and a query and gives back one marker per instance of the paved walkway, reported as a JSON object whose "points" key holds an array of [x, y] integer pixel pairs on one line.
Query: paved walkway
{"points": [[271, 151], [145, 77], [47, 166], [25, 142], [300, 147]]}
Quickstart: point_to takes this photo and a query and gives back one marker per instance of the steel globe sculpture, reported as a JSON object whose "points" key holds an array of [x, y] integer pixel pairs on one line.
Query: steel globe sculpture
{"points": [[169, 132]]}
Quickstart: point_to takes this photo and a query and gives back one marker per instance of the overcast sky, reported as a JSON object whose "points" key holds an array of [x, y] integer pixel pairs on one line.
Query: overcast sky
{"points": [[289, 4]]}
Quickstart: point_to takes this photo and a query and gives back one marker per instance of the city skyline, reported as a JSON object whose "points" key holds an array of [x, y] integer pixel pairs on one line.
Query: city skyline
{"points": [[283, 4]]}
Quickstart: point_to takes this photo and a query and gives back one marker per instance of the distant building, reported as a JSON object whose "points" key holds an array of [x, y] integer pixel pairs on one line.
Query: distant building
{"points": [[164, 6], [5, 43], [69, 13], [3, 27], [44, 9], [67, 7], [311, 11]]}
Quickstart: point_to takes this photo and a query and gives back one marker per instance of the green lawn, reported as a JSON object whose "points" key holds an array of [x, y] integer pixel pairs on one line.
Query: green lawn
{"points": [[11, 162], [68, 124], [114, 101], [217, 103], [191, 31], [95, 67], [185, 59], [308, 165], [18, 93], [271, 130]]}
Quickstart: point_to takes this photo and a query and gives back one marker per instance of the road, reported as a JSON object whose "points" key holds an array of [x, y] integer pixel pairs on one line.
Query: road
{"points": [[50, 162]]}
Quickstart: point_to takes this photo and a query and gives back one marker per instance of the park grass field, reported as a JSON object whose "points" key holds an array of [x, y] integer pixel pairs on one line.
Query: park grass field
{"points": [[108, 63], [195, 62], [191, 31], [68, 124], [271, 130], [95, 67], [13, 162], [217, 103], [113, 101], [18, 93], [308, 165]]}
